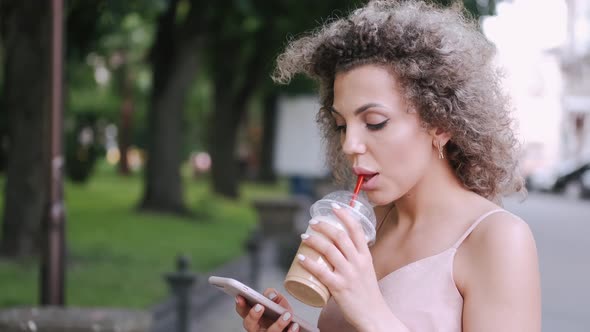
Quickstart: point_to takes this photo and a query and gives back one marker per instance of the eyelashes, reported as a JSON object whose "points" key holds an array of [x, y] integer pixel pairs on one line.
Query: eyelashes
{"points": [[378, 126], [369, 126]]}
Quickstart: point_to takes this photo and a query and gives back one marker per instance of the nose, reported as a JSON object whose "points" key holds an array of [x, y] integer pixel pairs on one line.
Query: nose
{"points": [[352, 142]]}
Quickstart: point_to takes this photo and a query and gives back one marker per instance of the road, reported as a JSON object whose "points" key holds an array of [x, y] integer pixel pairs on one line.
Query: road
{"points": [[562, 231]]}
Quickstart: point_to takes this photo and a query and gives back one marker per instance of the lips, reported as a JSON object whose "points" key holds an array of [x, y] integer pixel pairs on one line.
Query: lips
{"points": [[369, 177], [367, 173]]}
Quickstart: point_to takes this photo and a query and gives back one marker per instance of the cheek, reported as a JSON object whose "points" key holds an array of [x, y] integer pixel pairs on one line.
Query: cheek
{"points": [[406, 155], [408, 141]]}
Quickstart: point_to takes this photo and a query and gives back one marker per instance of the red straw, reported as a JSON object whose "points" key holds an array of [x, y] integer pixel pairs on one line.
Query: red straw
{"points": [[357, 189]]}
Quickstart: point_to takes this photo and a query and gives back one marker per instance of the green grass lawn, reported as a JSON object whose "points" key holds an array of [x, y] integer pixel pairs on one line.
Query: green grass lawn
{"points": [[117, 257]]}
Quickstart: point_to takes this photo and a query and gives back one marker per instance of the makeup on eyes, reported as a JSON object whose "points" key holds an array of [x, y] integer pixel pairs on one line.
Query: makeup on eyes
{"points": [[377, 126], [373, 119], [369, 126]]}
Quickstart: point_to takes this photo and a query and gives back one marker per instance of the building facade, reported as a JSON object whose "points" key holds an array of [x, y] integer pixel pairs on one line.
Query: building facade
{"points": [[575, 65]]}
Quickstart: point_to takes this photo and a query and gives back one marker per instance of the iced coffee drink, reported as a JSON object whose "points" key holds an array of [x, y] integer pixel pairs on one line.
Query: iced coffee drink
{"points": [[300, 283]]}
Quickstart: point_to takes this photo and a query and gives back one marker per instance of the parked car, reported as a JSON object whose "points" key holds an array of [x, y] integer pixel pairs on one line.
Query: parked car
{"points": [[585, 184], [568, 177]]}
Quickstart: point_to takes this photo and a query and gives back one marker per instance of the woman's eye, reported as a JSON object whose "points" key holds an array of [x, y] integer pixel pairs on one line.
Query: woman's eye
{"points": [[341, 128], [377, 126]]}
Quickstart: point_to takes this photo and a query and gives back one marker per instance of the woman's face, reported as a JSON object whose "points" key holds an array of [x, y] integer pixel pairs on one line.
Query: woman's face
{"points": [[382, 138]]}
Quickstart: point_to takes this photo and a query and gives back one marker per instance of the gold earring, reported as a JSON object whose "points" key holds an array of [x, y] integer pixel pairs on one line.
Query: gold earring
{"points": [[440, 151]]}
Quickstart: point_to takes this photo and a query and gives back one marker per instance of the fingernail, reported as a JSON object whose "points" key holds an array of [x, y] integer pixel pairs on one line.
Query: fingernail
{"points": [[258, 308], [295, 327], [237, 301], [314, 222], [304, 236], [272, 295], [336, 206], [300, 257], [286, 316]]}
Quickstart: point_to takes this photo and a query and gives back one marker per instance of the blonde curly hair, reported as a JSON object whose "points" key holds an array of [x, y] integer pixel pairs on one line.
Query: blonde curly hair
{"points": [[446, 72]]}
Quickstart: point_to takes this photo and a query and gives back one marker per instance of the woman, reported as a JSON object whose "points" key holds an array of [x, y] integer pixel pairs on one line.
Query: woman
{"points": [[411, 99]]}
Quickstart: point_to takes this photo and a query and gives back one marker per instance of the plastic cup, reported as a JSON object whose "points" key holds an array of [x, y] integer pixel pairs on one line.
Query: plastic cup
{"points": [[299, 282]]}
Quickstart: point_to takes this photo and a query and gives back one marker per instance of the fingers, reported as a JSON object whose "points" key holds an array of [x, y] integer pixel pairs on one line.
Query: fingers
{"points": [[277, 297], [242, 308], [281, 324], [341, 249], [335, 244], [321, 271], [353, 227], [349, 241], [252, 320]]}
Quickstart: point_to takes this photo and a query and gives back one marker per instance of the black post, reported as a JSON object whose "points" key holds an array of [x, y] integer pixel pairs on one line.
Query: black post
{"points": [[253, 247], [53, 256], [180, 283]]}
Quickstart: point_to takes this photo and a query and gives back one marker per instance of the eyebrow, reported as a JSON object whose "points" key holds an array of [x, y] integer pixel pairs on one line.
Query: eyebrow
{"points": [[360, 109]]}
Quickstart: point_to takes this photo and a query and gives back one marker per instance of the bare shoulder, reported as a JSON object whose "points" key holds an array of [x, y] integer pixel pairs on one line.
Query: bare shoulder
{"points": [[497, 273], [501, 237], [501, 243]]}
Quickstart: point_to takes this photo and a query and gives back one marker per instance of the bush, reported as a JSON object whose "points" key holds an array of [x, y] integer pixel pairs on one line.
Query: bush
{"points": [[82, 148]]}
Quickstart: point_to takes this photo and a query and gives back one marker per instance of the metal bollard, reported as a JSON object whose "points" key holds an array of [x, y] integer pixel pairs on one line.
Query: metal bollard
{"points": [[253, 246], [180, 283]]}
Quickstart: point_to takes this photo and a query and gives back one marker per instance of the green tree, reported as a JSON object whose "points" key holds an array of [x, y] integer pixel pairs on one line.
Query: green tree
{"points": [[113, 35], [245, 42], [175, 62], [24, 33]]}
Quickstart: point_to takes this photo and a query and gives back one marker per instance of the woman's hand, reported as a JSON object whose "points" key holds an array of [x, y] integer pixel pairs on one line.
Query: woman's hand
{"points": [[254, 321], [353, 282]]}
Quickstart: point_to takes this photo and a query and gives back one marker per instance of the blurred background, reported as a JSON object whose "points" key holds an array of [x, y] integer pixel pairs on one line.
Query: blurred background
{"points": [[143, 147]]}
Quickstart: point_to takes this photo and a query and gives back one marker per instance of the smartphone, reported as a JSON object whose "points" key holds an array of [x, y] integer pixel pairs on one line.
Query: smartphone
{"points": [[272, 310]]}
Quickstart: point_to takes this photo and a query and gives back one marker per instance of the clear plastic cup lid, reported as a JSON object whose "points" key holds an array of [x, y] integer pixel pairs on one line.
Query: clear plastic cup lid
{"points": [[361, 208]]}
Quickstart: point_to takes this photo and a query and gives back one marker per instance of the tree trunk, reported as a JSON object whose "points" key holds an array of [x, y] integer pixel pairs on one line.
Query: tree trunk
{"points": [[125, 131], [26, 27], [226, 119], [4, 135], [125, 125], [175, 65], [232, 92], [269, 125]]}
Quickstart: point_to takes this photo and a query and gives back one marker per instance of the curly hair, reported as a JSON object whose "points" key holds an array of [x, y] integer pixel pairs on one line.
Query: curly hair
{"points": [[445, 68]]}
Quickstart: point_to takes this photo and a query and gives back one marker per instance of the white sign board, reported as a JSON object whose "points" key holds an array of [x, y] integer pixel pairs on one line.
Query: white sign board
{"points": [[298, 146]]}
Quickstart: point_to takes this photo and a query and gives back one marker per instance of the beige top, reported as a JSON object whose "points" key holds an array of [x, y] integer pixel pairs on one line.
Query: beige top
{"points": [[422, 294]]}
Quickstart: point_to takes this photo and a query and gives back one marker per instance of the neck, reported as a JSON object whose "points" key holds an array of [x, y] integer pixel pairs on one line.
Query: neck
{"points": [[436, 196]]}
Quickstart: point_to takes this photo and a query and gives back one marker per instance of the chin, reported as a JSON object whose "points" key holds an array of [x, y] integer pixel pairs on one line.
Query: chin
{"points": [[378, 198]]}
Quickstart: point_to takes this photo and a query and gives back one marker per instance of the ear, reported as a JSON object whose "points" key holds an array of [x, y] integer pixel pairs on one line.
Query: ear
{"points": [[438, 135]]}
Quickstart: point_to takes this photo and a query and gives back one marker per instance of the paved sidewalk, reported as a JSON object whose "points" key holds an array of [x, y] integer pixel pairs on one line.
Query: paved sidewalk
{"points": [[222, 317]]}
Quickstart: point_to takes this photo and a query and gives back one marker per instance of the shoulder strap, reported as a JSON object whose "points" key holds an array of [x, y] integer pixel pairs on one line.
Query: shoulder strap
{"points": [[472, 227]]}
